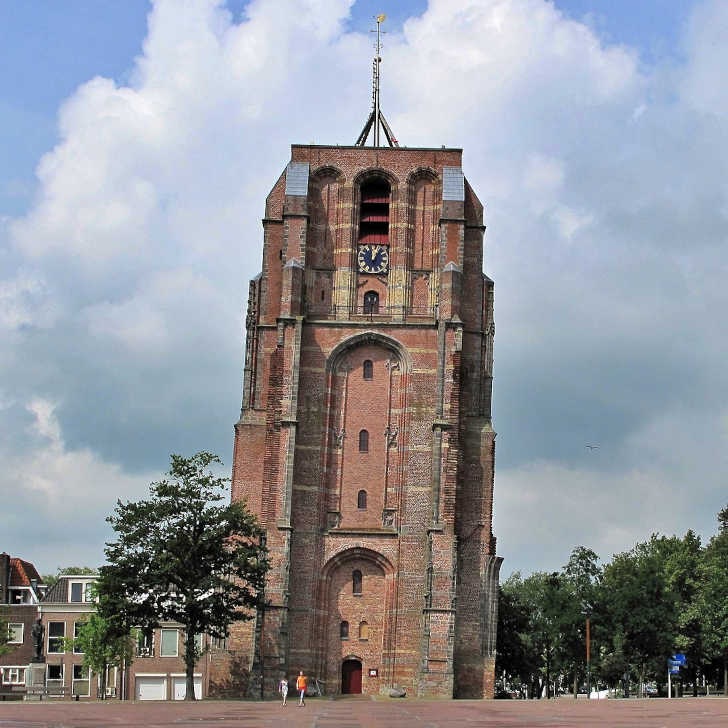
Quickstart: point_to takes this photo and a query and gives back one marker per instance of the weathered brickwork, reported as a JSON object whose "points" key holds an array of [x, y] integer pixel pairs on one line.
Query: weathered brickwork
{"points": [[365, 443]]}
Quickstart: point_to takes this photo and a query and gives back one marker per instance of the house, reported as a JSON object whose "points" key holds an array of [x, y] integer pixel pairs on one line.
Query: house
{"points": [[63, 610], [20, 594], [157, 670]]}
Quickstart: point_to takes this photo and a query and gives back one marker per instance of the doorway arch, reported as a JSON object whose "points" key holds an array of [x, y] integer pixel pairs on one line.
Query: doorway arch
{"points": [[351, 677]]}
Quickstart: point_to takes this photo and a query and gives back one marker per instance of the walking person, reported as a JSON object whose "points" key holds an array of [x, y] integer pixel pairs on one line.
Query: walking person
{"points": [[301, 683], [283, 688]]}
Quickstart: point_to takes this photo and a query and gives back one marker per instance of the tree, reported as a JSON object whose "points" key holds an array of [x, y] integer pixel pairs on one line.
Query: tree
{"points": [[512, 655], [711, 601], [638, 605], [102, 647], [180, 556], [50, 579], [4, 635], [582, 578]]}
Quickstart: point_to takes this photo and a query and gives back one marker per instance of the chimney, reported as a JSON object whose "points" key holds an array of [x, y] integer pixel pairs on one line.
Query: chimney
{"points": [[4, 577]]}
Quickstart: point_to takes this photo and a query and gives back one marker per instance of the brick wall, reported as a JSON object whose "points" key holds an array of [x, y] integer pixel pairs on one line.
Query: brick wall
{"points": [[423, 541]]}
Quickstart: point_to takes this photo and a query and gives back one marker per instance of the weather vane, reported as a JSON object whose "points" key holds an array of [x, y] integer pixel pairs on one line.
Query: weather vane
{"points": [[376, 117]]}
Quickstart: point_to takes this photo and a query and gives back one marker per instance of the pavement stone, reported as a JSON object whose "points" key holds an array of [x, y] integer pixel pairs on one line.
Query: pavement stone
{"points": [[368, 713]]}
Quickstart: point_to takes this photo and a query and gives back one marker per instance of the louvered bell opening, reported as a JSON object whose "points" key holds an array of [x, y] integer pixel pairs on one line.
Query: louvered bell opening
{"points": [[375, 192], [374, 213], [374, 238]]}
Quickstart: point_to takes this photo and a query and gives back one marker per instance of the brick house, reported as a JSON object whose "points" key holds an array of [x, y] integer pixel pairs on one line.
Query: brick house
{"points": [[156, 672], [20, 594], [63, 610], [365, 444]]}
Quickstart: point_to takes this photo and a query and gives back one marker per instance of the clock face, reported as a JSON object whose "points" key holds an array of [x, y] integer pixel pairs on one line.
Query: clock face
{"points": [[373, 259]]}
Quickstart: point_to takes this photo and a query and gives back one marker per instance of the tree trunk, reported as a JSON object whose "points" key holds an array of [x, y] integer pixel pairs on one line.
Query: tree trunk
{"points": [[725, 674], [103, 682], [576, 685], [190, 654]]}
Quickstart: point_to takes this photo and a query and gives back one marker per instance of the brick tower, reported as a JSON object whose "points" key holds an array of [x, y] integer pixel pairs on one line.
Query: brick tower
{"points": [[365, 443]]}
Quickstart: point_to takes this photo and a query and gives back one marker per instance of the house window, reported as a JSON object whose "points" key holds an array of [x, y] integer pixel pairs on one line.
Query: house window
{"points": [[363, 631], [55, 676], [13, 676], [218, 643], [356, 582], [76, 627], [145, 643], [81, 685], [199, 642], [16, 633], [363, 441], [76, 591], [361, 500], [56, 634], [371, 302], [344, 630], [368, 369], [169, 643]]}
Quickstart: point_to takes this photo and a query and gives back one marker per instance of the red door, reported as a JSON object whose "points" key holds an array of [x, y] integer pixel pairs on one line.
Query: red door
{"points": [[351, 677]]}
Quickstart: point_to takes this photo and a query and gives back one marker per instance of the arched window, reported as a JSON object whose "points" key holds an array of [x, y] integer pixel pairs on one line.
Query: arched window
{"points": [[363, 441], [356, 582], [371, 302], [361, 500], [344, 630], [363, 631], [368, 369]]}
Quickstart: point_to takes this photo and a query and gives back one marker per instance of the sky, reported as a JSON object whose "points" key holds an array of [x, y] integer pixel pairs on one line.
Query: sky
{"points": [[140, 140]]}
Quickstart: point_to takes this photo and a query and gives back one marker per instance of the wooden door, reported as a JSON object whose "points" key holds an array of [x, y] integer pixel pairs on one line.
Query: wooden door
{"points": [[351, 677]]}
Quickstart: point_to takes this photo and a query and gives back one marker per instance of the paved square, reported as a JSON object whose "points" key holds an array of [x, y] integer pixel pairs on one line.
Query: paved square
{"points": [[366, 713]]}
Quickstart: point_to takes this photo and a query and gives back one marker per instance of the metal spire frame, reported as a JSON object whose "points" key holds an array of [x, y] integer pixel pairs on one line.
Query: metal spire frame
{"points": [[376, 117]]}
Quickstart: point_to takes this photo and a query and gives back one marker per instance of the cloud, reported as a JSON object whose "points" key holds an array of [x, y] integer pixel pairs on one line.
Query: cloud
{"points": [[56, 499], [603, 180]]}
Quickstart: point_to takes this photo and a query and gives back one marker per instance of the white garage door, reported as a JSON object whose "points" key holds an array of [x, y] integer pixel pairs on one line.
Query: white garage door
{"points": [[180, 688], [151, 688]]}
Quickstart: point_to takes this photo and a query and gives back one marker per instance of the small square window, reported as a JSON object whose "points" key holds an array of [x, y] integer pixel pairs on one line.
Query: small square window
{"points": [[16, 633], [55, 672]]}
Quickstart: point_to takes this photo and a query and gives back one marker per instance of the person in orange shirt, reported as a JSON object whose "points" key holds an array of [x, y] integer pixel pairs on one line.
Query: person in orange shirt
{"points": [[301, 683]]}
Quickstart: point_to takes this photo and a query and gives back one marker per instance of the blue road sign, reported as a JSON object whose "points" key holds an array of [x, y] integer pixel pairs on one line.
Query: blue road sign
{"points": [[679, 659]]}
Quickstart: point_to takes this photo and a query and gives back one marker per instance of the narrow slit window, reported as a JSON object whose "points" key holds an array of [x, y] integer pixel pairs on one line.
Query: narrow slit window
{"points": [[361, 500], [363, 441], [344, 630], [368, 369], [356, 582]]}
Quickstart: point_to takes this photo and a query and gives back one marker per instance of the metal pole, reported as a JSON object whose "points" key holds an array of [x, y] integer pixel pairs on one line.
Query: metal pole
{"points": [[669, 683], [588, 659], [377, 61]]}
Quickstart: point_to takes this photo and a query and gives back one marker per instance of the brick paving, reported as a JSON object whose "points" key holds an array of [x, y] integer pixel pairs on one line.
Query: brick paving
{"points": [[366, 713]]}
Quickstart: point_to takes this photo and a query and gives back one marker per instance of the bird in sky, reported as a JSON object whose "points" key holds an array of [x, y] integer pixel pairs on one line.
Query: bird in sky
{"points": [[593, 447]]}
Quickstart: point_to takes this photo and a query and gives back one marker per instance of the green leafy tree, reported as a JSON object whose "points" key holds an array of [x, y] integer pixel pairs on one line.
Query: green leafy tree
{"points": [[4, 634], [50, 579], [513, 660], [711, 599], [182, 556], [639, 605], [581, 578], [102, 647]]}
